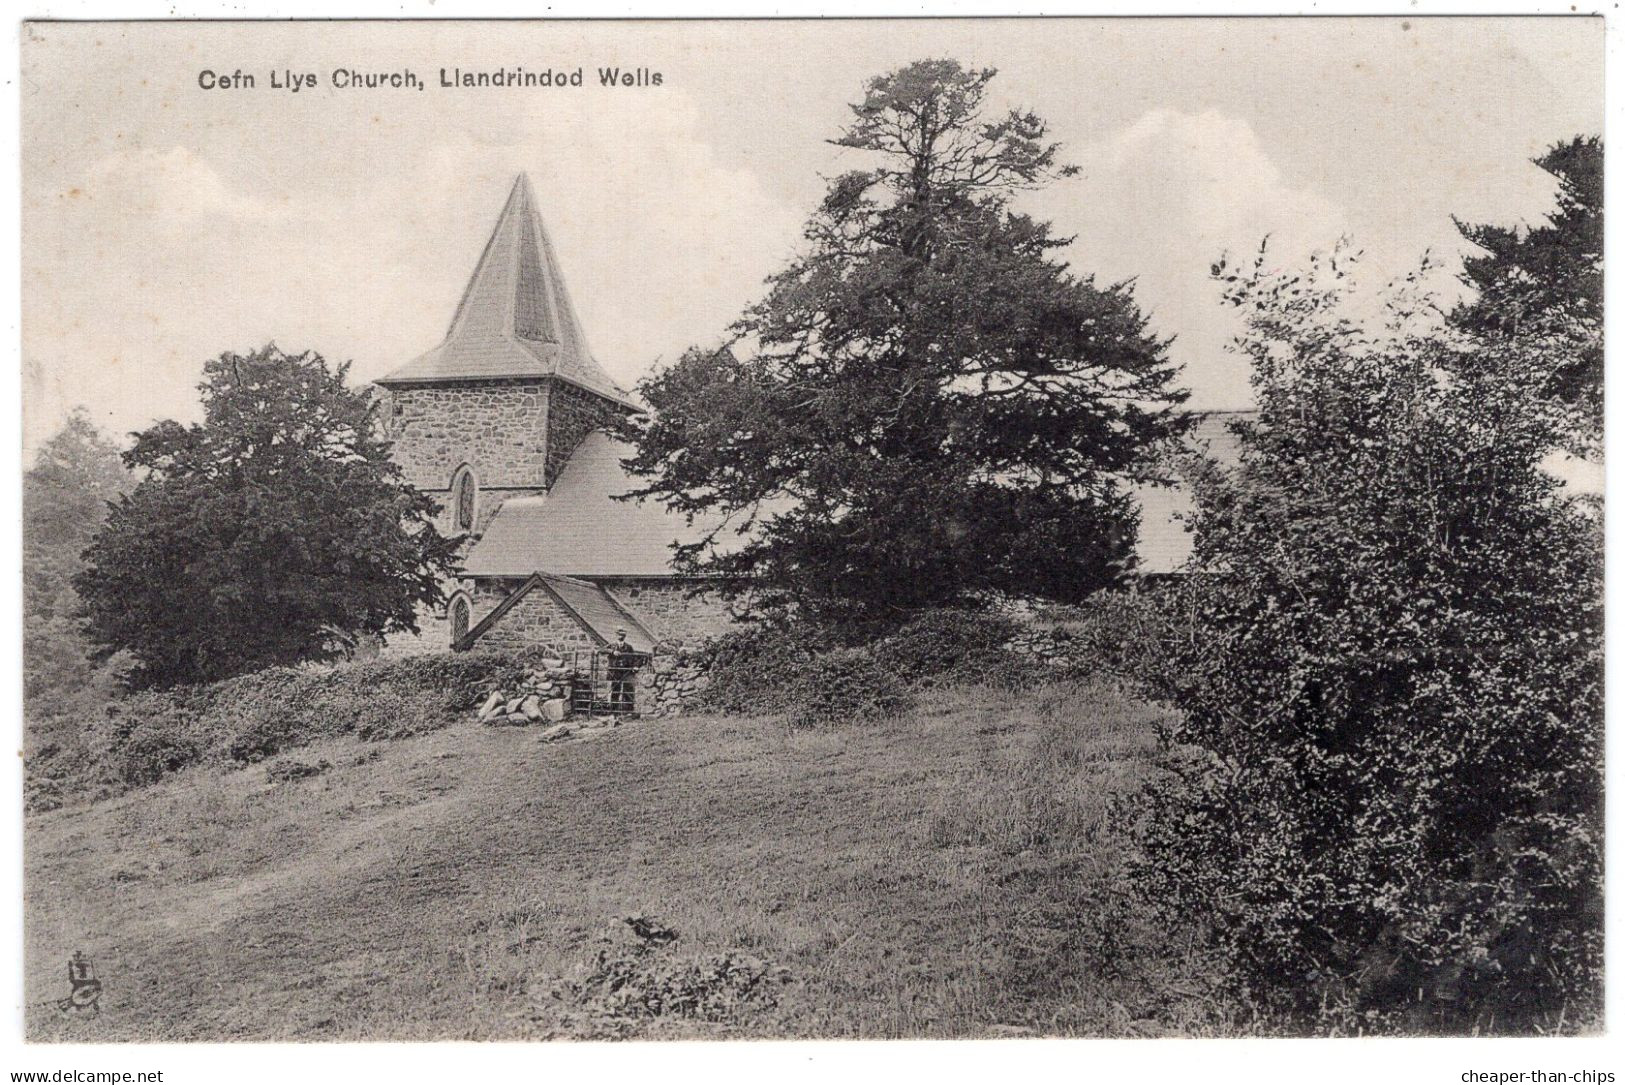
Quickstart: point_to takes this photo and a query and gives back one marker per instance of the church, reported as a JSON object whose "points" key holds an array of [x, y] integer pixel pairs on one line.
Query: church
{"points": [[506, 424]]}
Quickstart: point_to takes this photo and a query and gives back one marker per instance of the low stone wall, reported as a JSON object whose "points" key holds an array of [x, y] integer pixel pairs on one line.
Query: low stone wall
{"points": [[664, 687], [543, 694], [1051, 646], [670, 682]]}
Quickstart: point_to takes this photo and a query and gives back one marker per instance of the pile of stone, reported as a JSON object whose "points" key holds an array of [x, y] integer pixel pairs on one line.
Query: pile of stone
{"points": [[671, 681], [1049, 646], [578, 727], [542, 696]]}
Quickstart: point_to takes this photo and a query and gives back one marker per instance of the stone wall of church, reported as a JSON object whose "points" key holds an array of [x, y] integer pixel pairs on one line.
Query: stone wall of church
{"points": [[673, 612], [679, 618], [571, 415], [499, 427], [434, 632], [514, 433], [517, 435], [533, 622]]}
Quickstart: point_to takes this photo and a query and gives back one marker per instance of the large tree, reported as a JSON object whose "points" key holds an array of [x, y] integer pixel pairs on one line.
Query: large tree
{"points": [[1543, 285], [276, 531], [927, 404]]}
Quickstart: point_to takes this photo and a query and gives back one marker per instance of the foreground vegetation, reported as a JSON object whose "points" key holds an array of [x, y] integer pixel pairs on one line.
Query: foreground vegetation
{"points": [[913, 832], [1391, 673], [142, 738], [955, 870]]}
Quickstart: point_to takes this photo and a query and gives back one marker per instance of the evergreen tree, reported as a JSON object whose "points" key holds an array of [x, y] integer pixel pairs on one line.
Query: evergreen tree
{"points": [[927, 404], [1545, 284]]}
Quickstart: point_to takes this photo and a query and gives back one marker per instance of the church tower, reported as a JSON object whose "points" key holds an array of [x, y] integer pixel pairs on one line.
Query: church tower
{"points": [[496, 409]]}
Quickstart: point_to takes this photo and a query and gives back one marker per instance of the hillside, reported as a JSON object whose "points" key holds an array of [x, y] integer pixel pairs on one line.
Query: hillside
{"points": [[952, 872]]}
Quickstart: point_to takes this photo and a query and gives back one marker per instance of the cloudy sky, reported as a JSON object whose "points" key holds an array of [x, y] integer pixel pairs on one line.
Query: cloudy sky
{"points": [[163, 224]]}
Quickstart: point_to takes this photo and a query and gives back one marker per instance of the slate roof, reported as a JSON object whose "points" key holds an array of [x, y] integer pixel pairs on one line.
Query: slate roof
{"points": [[1165, 539], [578, 529], [516, 318], [599, 612]]}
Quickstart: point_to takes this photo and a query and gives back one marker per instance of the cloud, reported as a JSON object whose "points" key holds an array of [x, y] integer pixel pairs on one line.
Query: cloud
{"points": [[172, 186], [1207, 175], [150, 260], [1159, 199]]}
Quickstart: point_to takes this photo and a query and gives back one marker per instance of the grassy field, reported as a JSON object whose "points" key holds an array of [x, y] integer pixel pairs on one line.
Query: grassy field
{"points": [[951, 872]]}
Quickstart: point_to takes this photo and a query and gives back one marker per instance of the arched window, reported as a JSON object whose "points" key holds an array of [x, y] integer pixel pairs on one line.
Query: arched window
{"points": [[459, 618], [463, 496]]}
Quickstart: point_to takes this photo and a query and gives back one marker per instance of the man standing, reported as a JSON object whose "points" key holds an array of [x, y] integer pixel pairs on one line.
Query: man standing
{"points": [[623, 665]]}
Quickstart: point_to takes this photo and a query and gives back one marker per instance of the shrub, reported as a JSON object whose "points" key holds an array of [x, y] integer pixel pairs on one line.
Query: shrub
{"points": [[283, 708], [1000, 669], [56, 752], [756, 670], [638, 975], [460, 680], [947, 641], [257, 716], [277, 709], [1384, 795], [1115, 632], [150, 756], [393, 713], [284, 772], [845, 685], [41, 793], [827, 674]]}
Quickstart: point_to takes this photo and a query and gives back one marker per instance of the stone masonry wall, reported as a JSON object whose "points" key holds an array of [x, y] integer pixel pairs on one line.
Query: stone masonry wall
{"points": [[571, 415], [670, 682], [534, 621], [673, 615], [679, 622], [498, 427], [434, 626], [517, 435]]}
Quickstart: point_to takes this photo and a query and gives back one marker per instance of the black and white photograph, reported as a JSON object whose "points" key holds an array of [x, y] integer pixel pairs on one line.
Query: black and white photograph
{"points": [[978, 529]]}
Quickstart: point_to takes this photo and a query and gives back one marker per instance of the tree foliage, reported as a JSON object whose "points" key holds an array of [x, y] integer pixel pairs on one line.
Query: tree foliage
{"points": [[1544, 283], [277, 531], [65, 495], [1386, 783], [927, 404]]}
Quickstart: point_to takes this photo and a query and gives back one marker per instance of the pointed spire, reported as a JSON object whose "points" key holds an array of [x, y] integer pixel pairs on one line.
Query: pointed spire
{"points": [[515, 318]]}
